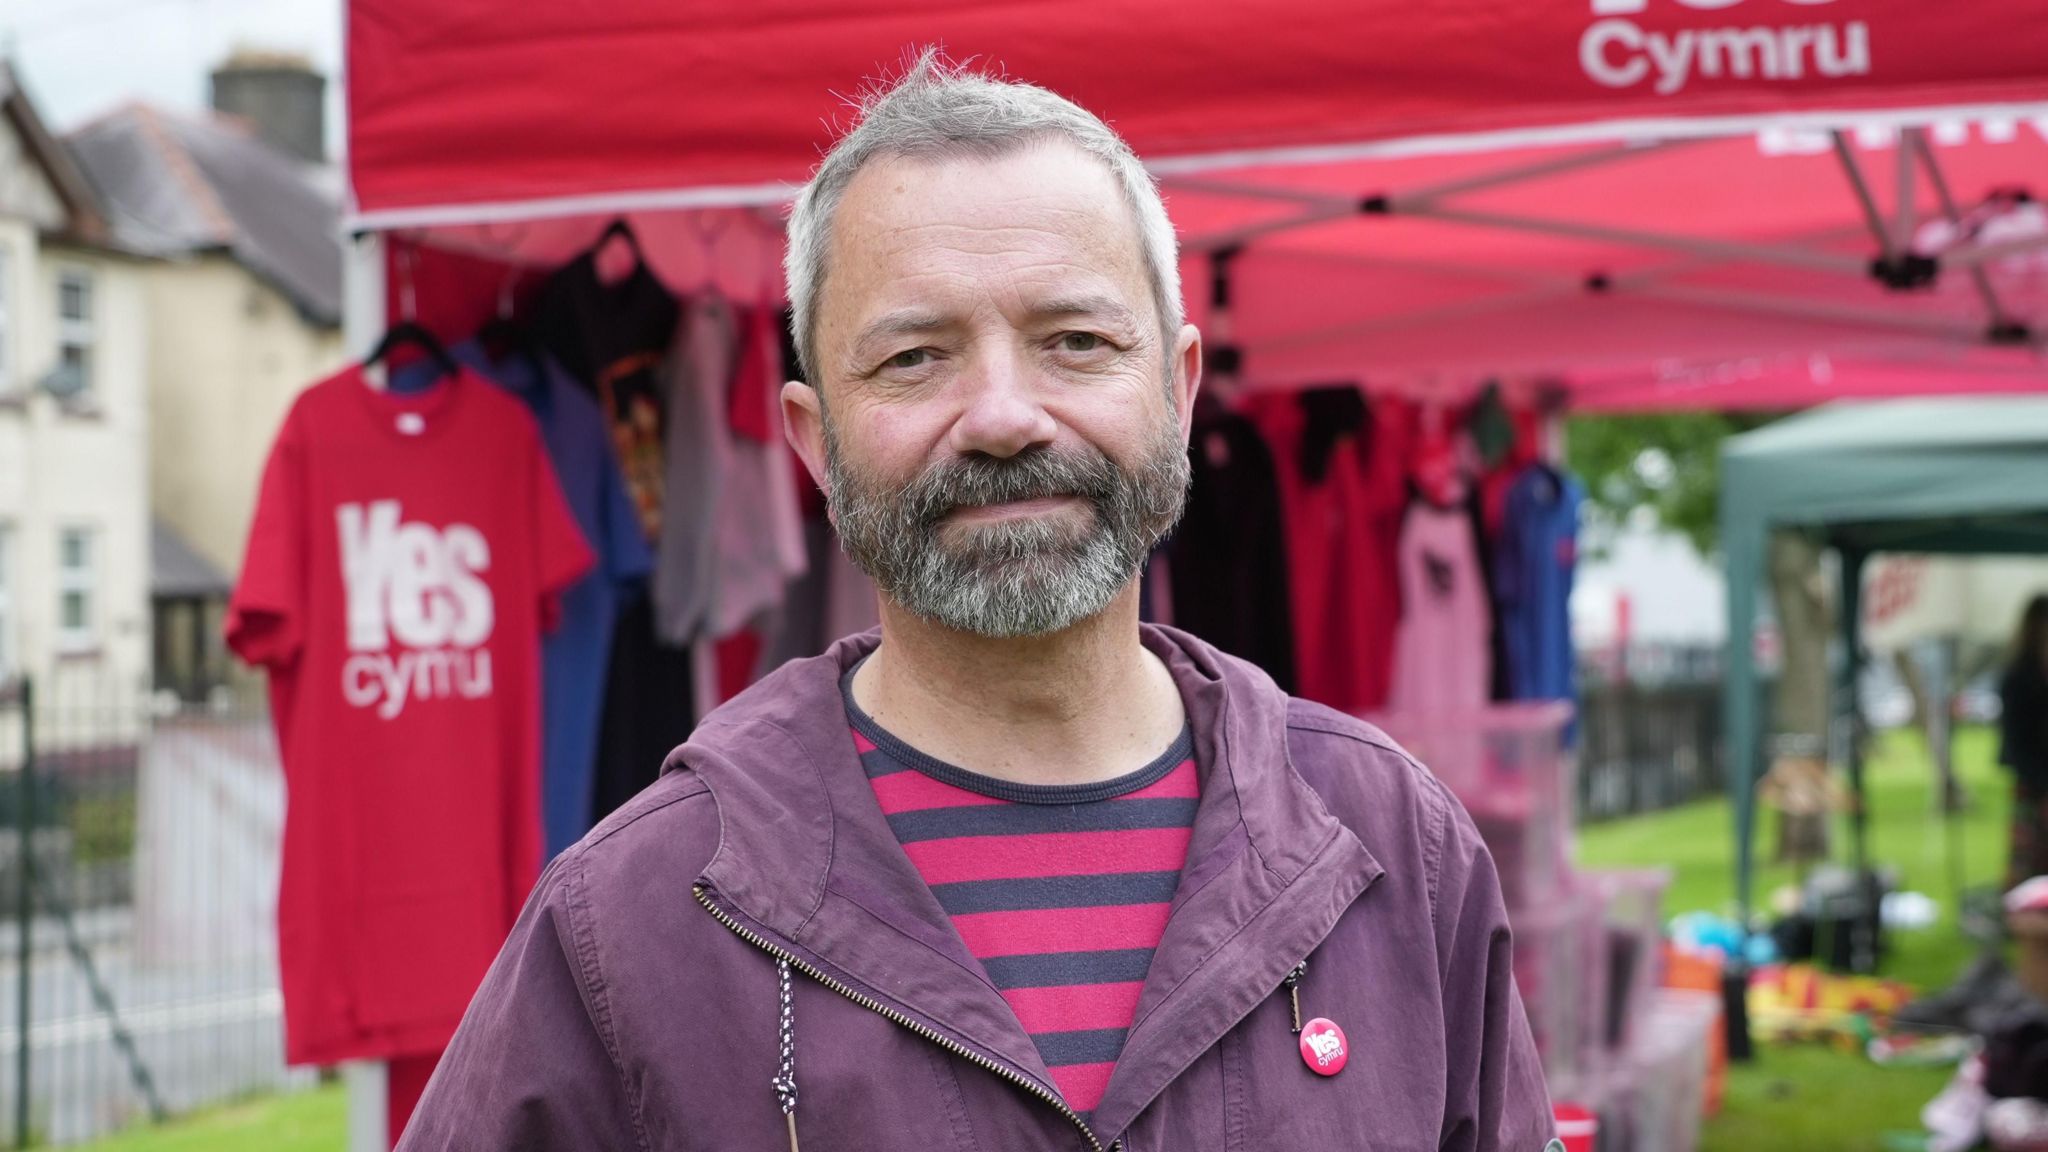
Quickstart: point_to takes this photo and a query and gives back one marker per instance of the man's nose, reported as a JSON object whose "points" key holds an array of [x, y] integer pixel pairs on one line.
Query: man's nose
{"points": [[1002, 414]]}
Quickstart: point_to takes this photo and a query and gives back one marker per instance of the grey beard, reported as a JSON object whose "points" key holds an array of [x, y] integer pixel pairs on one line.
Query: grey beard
{"points": [[1014, 577]]}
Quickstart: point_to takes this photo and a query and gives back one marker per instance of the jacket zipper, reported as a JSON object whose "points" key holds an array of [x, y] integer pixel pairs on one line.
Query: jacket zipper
{"points": [[894, 1017], [1293, 986]]}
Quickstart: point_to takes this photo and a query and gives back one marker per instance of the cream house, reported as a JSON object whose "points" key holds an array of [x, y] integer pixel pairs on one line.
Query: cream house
{"points": [[244, 310], [74, 425]]}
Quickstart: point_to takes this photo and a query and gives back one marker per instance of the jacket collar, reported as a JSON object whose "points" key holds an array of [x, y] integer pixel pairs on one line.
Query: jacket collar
{"points": [[806, 856]]}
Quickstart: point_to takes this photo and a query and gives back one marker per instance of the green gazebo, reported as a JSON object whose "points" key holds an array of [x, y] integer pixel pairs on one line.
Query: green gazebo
{"points": [[1950, 475]]}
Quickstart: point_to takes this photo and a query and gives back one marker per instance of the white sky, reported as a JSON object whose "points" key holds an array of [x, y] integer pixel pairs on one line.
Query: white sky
{"points": [[82, 57]]}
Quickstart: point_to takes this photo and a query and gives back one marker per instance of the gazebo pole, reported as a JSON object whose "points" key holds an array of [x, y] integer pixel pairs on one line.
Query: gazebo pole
{"points": [[1742, 556], [1863, 929], [1951, 784], [363, 321]]}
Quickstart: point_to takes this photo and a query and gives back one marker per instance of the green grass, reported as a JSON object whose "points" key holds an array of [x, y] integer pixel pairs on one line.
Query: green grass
{"points": [[102, 827], [1697, 843], [1796, 1098], [314, 1121], [1807, 1097]]}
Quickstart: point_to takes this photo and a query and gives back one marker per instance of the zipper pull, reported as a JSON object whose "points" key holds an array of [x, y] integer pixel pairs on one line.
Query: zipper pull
{"points": [[1293, 985]]}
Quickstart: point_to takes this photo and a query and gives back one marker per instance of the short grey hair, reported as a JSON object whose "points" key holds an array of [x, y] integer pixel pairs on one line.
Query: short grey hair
{"points": [[941, 110]]}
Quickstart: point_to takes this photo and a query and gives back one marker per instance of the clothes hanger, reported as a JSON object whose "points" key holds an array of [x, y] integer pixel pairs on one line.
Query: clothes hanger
{"points": [[502, 335], [411, 332], [1548, 450], [708, 226], [1438, 477], [772, 237], [619, 230], [503, 342]]}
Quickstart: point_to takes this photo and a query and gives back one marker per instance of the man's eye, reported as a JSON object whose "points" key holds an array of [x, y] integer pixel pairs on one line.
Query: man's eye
{"points": [[1081, 342], [908, 358]]}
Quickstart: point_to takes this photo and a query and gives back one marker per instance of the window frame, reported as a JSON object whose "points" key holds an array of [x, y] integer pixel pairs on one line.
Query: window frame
{"points": [[9, 387], [80, 332], [82, 581], [10, 659]]}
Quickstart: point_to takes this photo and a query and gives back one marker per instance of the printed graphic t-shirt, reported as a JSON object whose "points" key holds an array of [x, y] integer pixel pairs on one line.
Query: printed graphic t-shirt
{"points": [[613, 338], [1061, 891], [400, 570]]}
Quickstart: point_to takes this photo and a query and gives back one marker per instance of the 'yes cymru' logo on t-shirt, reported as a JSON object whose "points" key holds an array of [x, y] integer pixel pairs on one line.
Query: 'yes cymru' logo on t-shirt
{"points": [[419, 613]]}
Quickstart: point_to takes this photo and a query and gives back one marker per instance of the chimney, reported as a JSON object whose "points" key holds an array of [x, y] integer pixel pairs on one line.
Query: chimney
{"points": [[281, 95]]}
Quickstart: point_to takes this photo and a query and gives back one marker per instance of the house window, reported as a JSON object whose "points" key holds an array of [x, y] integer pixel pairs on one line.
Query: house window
{"points": [[6, 336], [74, 335], [75, 588], [7, 656]]}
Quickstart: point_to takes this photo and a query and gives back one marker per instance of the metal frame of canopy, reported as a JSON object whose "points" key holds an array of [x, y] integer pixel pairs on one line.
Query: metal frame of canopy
{"points": [[1895, 265], [1870, 300]]}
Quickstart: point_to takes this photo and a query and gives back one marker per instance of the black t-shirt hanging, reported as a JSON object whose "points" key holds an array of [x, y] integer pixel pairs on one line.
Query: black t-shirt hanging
{"points": [[613, 339], [1227, 561]]}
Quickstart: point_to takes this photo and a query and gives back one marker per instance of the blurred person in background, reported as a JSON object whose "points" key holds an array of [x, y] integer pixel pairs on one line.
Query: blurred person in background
{"points": [[2023, 741]]}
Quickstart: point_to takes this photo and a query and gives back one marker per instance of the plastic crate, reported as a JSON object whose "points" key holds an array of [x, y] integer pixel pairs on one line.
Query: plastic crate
{"points": [[1628, 946], [1600, 1096], [1552, 950], [1625, 1100], [1656, 1094], [1509, 766]]}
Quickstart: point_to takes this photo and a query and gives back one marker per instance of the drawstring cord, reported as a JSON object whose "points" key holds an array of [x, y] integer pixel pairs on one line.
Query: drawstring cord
{"points": [[785, 1077], [1293, 985]]}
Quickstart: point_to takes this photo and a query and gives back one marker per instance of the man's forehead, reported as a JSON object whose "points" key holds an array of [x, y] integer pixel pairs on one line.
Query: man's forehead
{"points": [[1047, 221], [1038, 184]]}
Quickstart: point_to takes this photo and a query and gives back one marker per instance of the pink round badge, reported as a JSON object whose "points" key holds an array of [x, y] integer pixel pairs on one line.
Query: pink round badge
{"points": [[1323, 1047]]}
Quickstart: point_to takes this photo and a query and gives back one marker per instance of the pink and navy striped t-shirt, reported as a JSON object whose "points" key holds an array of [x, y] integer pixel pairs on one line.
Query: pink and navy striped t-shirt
{"points": [[1061, 891]]}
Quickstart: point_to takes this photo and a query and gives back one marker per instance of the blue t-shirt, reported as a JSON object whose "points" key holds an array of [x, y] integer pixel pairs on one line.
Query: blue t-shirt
{"points": [[575, 655], [1533, 567]]}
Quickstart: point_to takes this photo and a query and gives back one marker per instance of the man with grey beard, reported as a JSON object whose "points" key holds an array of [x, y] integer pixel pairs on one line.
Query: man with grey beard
{"points": [[1016, 871], [1017, 577]]}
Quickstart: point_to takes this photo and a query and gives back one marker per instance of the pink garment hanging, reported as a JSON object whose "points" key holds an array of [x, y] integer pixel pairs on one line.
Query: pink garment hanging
{"points": [[1442, 662]]}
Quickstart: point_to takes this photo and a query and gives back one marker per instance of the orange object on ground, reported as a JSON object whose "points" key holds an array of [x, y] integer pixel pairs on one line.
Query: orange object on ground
{"points": [[1702, 973]]}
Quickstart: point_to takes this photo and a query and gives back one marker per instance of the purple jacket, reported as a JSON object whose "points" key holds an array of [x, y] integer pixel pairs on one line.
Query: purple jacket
{"points": [[637, 1004]]}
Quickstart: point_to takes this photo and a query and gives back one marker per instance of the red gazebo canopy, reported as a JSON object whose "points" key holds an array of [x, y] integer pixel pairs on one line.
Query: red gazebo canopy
{"points": [[1653, 202]]}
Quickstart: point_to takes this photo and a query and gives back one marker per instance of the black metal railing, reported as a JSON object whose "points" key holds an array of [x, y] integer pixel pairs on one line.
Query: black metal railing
{"points": [[1649, 733], [139, 840]]}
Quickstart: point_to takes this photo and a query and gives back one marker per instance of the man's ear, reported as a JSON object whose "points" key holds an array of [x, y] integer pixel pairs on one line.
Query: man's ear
{"points": [[1187, 375], [803, 423]]}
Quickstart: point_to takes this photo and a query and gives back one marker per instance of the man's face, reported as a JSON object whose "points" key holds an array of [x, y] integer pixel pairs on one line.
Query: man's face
{"points": [[1002, 434]]}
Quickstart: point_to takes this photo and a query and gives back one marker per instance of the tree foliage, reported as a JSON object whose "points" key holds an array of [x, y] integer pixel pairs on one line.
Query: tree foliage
{"points": [[1666, 464]]}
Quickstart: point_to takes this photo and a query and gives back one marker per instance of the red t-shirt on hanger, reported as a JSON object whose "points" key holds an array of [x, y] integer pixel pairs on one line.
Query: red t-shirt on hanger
{"points": [[1343, 531], [401, 567]]}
